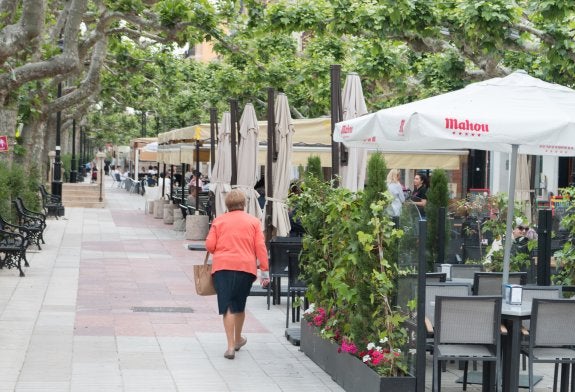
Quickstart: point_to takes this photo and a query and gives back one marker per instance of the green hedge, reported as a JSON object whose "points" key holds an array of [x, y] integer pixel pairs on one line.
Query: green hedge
{"points": [[14, 182]]}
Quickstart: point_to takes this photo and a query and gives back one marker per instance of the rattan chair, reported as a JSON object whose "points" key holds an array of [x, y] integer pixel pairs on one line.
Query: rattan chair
{"points": [[467, 328], [552, 336], [491, 283]]}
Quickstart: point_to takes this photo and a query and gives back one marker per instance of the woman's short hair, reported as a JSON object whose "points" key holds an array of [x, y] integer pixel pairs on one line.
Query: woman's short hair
{"points": [[235, 200]]}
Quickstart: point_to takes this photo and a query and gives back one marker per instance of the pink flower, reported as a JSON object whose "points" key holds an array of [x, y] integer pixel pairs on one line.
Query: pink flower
{"points": [[376, 357], [348, 347]]}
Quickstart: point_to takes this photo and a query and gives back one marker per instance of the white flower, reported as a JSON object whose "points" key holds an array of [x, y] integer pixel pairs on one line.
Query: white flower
{"points": [[322, 331], [366, 358], [309, 310], [378, 348], [384, 340], [370, 346]]}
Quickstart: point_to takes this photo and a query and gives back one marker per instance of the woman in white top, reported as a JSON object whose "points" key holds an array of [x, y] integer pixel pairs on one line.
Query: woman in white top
{"points": [[396, 190]]}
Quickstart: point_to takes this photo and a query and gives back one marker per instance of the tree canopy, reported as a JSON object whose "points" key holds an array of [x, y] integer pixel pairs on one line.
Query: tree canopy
{"points": [[113, 54]]}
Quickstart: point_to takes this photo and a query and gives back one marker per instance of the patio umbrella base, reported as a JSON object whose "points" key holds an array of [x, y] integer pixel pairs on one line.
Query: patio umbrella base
{"points": [[293, 335], [197, 227]]}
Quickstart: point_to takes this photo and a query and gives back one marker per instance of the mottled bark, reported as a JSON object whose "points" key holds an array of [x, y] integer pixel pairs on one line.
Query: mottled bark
{"points": [[8, 128]]}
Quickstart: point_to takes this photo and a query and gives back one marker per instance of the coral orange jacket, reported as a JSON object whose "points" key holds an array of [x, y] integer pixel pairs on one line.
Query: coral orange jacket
{"points": [[236, 240]]}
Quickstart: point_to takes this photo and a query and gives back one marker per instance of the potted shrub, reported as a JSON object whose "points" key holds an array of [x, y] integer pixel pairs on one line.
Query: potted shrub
{"points": [[351, 282], [565, 257]]}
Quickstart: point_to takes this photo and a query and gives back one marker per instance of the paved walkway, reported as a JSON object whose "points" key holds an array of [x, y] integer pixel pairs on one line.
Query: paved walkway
{"points": [[83, 318]]}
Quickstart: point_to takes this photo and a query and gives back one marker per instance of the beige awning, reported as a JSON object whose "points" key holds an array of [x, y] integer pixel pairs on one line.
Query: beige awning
{"points": [[447, 160], [310, 137], [151, 156]]}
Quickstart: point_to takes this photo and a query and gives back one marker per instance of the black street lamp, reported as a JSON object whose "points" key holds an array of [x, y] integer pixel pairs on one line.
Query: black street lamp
{"points": [[57, 179], [73, 164]]}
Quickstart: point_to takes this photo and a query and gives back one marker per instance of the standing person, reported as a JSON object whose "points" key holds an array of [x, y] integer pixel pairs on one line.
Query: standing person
{"points": [[164, 183], [236, 240], [419, 194], [394, 187]]}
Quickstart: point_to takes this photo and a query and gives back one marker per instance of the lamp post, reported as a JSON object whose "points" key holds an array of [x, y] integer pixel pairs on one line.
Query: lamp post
{"points": [[100, 164], [73, 164], [57, 180]]}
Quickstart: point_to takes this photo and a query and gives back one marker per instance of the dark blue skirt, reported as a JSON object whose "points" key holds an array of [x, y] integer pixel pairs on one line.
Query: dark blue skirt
{"points": [[233, 288]]}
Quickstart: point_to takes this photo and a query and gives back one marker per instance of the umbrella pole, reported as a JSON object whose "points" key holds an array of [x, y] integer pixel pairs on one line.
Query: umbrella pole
{"points": [[269, 172], [183, 184], [164, 182], [335, 76], [510, 211], [197, 176], [213, 122], [233, 139]]}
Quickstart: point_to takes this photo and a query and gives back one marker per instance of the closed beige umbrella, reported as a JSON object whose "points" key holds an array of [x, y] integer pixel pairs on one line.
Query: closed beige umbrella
{"points": [[248, 159], [522, 185], [282, 167], [222, 172], [353, 101]]}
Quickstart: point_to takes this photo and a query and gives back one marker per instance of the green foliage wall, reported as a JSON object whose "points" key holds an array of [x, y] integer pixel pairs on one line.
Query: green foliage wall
{"points": [[437, 196], [376, 180], [345, 263], [15, 181]]}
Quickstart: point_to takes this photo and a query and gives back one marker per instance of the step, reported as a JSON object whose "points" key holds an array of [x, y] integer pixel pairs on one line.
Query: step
{"points": [[85, 204], [83, 195]]}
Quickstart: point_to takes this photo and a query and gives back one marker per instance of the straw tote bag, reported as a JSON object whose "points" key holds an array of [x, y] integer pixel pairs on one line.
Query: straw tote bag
{"points": [[203, 278]]}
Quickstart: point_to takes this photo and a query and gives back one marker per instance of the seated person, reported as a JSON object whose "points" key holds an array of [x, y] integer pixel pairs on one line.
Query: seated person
{"points": [[195, 180], [192, 195], [520, 238]]}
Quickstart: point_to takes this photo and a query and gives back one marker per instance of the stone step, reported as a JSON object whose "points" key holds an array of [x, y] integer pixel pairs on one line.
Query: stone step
{"points": [[84, 195], [85, 204]]}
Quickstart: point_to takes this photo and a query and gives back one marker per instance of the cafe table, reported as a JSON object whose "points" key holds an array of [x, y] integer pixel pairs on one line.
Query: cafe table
{"points": [[512, 316]]}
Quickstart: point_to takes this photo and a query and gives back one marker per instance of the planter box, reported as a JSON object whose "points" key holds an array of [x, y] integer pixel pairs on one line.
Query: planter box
{"points": [[348, 371]]}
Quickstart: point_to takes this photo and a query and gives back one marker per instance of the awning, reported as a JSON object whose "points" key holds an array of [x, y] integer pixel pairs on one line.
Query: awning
{"points": [[151, 156], [311, 137], [447, 160]]}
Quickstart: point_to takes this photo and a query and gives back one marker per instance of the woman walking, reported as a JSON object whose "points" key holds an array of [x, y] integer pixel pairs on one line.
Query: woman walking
{"points": [[236, 240]]}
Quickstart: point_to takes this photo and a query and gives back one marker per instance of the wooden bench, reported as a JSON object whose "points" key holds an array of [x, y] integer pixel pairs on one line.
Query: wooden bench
{"points": [[12, 250], [51, 204], [34, 222]]}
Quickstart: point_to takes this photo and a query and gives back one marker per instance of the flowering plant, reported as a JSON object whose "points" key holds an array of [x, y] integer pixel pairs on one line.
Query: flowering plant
{"points": [[382, 357], [349, 261], [376, 355]]}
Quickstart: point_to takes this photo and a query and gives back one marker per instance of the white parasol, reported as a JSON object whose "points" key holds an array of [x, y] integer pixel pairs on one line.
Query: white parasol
{"points": [[282, 167], [517, 113], [353, 174], [222, 172], [248, 159]]}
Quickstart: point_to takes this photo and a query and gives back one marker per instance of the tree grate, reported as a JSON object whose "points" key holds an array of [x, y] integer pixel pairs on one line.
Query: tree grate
{"points": [[162, 309]]}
